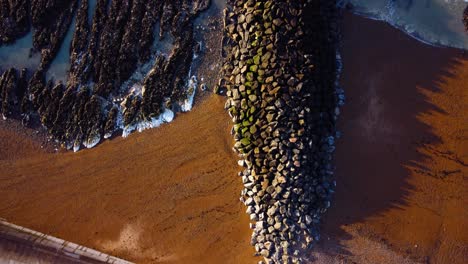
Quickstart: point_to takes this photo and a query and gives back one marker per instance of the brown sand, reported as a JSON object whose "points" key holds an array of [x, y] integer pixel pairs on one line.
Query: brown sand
{"points": [[402, 189], [170, 195]]}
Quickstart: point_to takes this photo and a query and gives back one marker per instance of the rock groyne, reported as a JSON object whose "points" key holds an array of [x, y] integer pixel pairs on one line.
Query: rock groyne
{"points": [[280, 74]]}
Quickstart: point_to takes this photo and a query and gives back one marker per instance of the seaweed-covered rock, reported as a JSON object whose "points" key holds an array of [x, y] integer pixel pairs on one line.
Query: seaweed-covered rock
{"points": [[77, 126], [8, 90], [154, 86], [92, 124], [48, 111], [51, 20], [80, 39], [111, 124], [64, 115], [35, 86]]}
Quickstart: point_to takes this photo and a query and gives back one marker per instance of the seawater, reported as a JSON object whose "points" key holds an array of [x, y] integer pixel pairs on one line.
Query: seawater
{"points": [[437, 22], [61, 64], [18, 54], [91, 10]]}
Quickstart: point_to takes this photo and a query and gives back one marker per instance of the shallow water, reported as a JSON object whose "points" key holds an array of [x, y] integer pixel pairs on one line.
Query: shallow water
{"points": [[162, 45], [219, 4], [91, 8], [436, 22], [17, 55], [61, 64]]}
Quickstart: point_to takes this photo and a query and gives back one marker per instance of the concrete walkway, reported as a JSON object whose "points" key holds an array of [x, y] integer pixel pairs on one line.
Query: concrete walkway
{"points": [[22, 245]]}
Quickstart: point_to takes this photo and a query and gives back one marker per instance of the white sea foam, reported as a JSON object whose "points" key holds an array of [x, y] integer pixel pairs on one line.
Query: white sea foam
{"points": [[92, 141], [128, 130], [434, 22], [187, 104], [76, 147], [168, 116]]}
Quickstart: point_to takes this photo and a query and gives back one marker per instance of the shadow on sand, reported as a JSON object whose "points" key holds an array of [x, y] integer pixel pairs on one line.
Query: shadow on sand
{"points": [[386, 74]]}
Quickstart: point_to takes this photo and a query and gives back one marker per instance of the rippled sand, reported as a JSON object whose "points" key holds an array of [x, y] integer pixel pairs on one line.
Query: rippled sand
{"points": [[165, 195], [402, 161]]}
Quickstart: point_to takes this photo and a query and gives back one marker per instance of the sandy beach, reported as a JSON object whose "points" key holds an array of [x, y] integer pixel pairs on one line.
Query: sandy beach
{"points": [[171, 194], [168, 195], [402, 161]]}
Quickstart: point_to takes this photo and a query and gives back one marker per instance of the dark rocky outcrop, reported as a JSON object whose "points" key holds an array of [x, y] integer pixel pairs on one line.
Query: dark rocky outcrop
{"points": [[51, 20], [280, 76], [465, 18], [14, 20], [111, 122], [8, 88], [104, 55], [13, 92]]}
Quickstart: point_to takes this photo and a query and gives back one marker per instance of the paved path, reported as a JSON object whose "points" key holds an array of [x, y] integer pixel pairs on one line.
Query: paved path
{"points": [[22, 245]]}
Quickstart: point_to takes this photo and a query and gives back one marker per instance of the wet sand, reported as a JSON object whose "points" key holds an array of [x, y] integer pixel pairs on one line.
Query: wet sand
{"points": [[167, 195], [402, 161], [170, 195]]}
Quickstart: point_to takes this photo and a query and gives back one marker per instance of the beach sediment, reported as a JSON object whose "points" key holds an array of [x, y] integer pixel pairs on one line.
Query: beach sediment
{"points": [[280, 80], [149, 200]]}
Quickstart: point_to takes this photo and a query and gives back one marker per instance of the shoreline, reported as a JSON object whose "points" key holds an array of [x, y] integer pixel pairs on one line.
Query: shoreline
{"points": [[382, 16], [402, 29], [108, 88], [392, 193], [140, 198]]}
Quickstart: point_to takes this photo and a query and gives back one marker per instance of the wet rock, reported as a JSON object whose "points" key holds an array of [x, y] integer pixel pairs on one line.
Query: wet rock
{"points": [[111, 122]]}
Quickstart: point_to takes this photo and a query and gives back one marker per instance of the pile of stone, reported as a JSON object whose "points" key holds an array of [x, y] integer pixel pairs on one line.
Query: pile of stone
{"points": [[280, 80], [105, 53]]}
